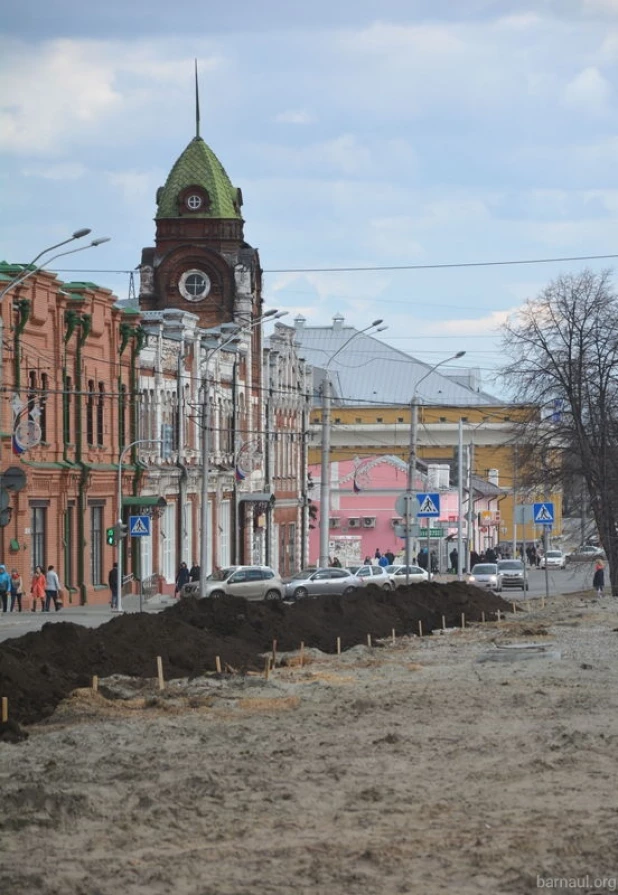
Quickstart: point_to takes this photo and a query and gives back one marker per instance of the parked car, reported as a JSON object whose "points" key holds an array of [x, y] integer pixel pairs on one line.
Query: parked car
{"points": [[585, 553], [250, 582], [553, 559], [513, 573], [397, 574], [313, 582], [486, 574], [373, 575]]}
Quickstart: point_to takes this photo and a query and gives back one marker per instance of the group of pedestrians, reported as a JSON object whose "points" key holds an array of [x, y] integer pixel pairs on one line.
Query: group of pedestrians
{"points": [[45, 589]]}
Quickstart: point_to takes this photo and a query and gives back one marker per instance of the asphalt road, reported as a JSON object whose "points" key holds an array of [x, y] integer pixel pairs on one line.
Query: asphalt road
{"points": [[13, 624]]}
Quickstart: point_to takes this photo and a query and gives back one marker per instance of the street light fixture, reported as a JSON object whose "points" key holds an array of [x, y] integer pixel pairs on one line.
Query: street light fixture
{"points": [[410, 493], [34, 268], [325, 468], [234, 333]]}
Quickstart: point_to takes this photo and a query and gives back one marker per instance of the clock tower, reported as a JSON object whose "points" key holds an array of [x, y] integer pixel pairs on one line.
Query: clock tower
{"points": [[200, 262]]}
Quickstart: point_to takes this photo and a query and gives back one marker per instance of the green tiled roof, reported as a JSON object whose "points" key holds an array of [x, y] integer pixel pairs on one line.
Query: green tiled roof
{"points": [[199, 166]]}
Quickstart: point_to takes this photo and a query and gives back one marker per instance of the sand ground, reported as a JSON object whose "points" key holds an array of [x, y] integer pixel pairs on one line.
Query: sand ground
{"points": [[463, 762]]}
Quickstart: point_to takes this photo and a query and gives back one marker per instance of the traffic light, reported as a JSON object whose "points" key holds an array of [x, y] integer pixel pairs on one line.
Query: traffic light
{"points": [[115, 532]]}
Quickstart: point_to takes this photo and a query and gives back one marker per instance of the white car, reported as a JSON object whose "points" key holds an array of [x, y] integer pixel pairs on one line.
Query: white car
{"points": [[398, 576], [553, 559], [371, 574], [313, 582], [486, 574], [250, 582]]}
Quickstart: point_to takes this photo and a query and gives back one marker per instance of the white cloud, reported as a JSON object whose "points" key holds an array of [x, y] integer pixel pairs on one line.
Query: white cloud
{"points": [[589, 92], [291, 116], [135, 186]]}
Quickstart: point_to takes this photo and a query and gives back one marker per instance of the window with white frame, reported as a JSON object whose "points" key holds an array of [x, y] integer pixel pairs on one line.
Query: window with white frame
{"points": [[167, 547]]}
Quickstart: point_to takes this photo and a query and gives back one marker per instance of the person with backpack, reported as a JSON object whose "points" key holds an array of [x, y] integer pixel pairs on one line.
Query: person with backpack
{"points": [[17, 590], [598, 580]]}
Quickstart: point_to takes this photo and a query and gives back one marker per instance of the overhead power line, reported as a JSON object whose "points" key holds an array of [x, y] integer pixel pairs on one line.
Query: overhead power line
{"points": [[379, 267]]}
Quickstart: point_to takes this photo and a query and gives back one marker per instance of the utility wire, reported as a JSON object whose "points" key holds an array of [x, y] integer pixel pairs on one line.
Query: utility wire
{"points": [[378, 267]]}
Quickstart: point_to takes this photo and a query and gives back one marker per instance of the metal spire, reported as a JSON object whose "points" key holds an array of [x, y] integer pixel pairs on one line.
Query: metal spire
{"points": [[197, 104]]}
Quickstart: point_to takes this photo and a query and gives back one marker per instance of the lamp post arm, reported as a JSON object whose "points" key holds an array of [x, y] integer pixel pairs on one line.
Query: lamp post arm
{"points": [[33, 270]]}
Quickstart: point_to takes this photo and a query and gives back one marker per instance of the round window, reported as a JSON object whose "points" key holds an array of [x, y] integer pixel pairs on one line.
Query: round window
{"points": [[194, 285], [194, 202]]}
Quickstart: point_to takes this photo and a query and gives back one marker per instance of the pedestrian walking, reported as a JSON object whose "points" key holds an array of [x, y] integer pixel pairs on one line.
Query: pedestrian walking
{"points": [[598, 581], [5, 588], [37, 588], [17, 590], [194, 571], [112, 580], [454, 557], [53, 590], [182, 578]]}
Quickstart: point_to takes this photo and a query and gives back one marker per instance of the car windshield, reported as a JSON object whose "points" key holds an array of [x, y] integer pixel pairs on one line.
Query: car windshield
{"points": [[354, 569], [304, 573], [511, 565], [553, 554], [487, 569]]}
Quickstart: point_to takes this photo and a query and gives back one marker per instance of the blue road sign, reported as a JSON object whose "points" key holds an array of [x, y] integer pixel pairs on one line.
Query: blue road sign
{"points": [[543, 513], [429, 505], [139, 526]]}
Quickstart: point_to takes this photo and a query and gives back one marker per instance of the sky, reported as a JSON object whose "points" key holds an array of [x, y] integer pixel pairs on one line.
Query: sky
{"points": [[363, 133]]}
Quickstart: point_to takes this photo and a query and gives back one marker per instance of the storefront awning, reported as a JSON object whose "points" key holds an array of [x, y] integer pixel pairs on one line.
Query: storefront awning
{"points": [[144, 500], [257, 497]]}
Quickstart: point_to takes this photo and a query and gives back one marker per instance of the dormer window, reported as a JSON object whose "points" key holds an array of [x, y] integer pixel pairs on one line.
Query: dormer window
{"points": [[194, 202]]}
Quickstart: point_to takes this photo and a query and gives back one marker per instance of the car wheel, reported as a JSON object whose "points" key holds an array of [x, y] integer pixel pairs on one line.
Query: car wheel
{"points": [[272, 595], [348, 590], [217, 594], [300, 593], [388, 586]]}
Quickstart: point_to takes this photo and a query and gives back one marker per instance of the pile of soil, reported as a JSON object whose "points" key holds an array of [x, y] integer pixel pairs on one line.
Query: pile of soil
{"points": [[40, 669]]}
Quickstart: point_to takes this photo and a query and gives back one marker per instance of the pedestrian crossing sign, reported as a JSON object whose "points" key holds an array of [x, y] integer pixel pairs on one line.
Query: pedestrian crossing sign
{"points": [[429, 505], [139, 526], [543, 513]]}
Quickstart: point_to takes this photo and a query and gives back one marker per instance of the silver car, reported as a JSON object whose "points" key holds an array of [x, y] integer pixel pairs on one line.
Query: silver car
{"points": [[553, 559], [371, 574], [250, 582], [313, 582], [513, 573], [398, 575], [486, 574]]}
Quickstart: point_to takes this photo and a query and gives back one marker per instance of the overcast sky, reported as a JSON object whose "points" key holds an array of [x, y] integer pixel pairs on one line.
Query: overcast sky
{"points": [[362, 134]]}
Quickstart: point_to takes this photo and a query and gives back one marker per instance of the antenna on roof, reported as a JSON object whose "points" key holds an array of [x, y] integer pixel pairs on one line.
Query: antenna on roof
{"points": [[197, 104]]}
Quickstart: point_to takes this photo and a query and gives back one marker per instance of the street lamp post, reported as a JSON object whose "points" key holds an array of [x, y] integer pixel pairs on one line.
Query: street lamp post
{"points": [[325, 490], [410, 492], [32, 270], [119, 523], [204, 526]]}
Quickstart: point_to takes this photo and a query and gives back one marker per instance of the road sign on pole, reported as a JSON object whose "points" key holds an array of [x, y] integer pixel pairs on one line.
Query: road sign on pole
{"points": [[139, 526], [429, 505], [543, 513]]}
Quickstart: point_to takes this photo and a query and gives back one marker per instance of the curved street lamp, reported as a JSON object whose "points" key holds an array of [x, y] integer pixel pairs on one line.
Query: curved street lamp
{"points": [[410, 494], [325, 467], [34, 268]]}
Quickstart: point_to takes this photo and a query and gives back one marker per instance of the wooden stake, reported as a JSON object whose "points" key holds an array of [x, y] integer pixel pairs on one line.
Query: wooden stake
{"points": [[444, 623], [393, 636], [302, 653], [542, 602], [95, 683], [483, 617], [498, 615], [420, 628], [514, 608], [368, 639], [218, 664], [463, 620], [267, 667], [274, 653], [339, 646], [160, 673], [5, 709]]}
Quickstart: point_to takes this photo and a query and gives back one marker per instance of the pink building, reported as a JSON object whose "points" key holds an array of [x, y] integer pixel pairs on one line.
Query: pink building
{"points": [[363, 516]]}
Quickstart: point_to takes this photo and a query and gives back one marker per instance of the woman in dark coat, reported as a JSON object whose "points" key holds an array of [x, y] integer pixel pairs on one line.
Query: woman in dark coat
{"points": [[182, 577], [598, 582]]}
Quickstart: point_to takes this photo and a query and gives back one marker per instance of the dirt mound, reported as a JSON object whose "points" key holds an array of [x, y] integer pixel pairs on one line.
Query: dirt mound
{"points": [[40, 669]]}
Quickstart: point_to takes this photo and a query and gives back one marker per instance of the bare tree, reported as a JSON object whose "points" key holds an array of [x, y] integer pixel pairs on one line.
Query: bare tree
{"points": [[563, 347]]}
